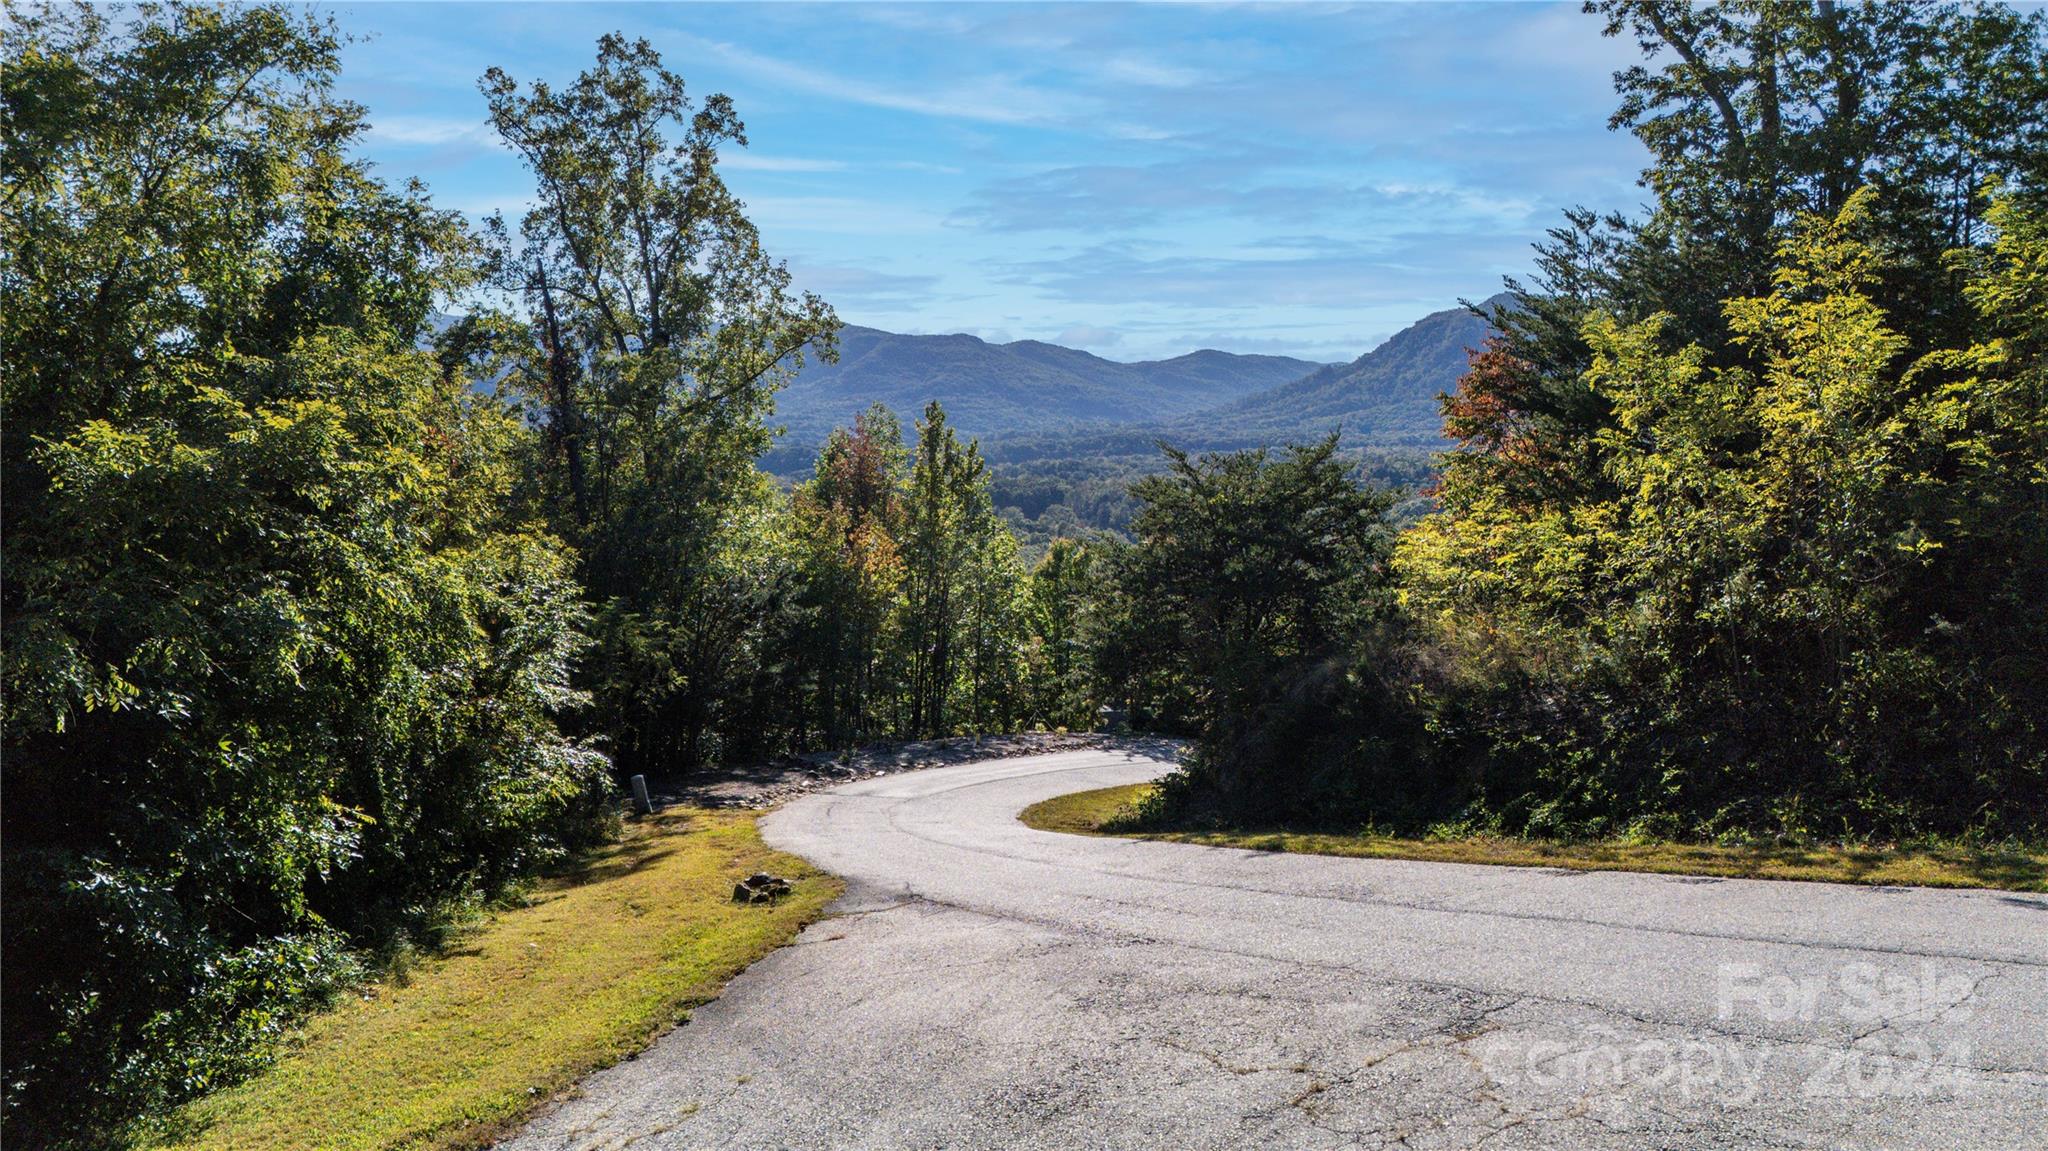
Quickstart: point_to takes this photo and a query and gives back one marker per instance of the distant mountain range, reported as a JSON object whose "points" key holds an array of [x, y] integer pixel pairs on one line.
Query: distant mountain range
{"points": [[1002, 390], [1067, 431], [1031, 401], [1386, 399]]}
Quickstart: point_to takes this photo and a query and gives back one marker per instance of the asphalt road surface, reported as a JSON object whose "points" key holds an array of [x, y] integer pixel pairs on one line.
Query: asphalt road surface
{"points": [[990, 986]]}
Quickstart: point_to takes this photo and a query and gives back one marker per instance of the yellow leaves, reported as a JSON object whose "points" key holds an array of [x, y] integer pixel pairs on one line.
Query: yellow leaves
{"points": [[1496, 558], [1823, 339], [111, 692], [1823, 257], [1711, 467]]}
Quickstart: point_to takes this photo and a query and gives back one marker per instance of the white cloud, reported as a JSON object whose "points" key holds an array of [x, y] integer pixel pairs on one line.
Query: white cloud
{"points": [[1089, 336], [1128, 69], [429, 130], [738, 161], [864, 285], [992, 99], [512, 207]]}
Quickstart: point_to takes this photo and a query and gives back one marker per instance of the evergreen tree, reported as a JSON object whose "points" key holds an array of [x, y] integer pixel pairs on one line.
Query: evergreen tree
{"points": [[938, 507]]}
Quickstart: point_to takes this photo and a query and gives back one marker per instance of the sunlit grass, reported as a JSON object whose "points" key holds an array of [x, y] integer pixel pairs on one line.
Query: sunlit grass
{"points": [[598, 962], [1110, 810]]}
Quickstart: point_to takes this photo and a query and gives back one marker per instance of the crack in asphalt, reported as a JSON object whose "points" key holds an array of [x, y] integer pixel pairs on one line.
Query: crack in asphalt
{"points": [[988, 994], [1440, 909], [1375, 979]]}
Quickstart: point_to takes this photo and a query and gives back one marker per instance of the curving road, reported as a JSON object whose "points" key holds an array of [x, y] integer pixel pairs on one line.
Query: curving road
{"points": [[990, 986]]}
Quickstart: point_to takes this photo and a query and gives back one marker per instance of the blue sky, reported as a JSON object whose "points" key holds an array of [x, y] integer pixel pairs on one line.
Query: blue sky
{"points": [[1136, 180]]}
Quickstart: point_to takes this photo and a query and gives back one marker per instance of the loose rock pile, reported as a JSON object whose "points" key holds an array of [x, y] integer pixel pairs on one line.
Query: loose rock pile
{"points": [[760, 887]]}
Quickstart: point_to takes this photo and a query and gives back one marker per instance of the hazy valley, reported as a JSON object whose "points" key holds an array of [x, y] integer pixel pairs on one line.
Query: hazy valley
{"points": [[1066, 430]]}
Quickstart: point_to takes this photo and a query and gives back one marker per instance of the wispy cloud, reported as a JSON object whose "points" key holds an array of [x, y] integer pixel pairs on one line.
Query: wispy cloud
{"points": [[1277, 177], [1391, 270], [1146, 72], [744, 161], [865, 286], [1274, 186], [429, 131], [993, 99]]}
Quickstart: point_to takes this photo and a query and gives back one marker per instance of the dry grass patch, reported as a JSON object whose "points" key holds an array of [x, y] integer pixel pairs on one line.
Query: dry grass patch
{"points": [[1109, 811], [598, 962]]}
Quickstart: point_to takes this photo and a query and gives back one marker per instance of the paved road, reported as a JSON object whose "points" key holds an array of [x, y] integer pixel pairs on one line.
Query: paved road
{"points": [[990, 986]]}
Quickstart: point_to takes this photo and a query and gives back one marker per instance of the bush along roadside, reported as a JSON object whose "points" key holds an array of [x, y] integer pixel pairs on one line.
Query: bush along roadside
{"points": [[586, 969]]}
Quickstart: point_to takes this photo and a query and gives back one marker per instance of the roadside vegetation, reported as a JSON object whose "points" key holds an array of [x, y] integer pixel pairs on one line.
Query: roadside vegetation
{"points": [[1123, 811], [581, 970], [356, 551], [1740, 538]]}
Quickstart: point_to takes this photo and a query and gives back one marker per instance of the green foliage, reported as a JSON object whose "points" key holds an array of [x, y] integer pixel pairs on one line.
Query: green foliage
{"points": [[851, 574], [1252, 608], [912, 614], [1062, 607], [271, 671], [1743, 535], [947, 514], [1757, 113], [1803, 598], [657, 335]]}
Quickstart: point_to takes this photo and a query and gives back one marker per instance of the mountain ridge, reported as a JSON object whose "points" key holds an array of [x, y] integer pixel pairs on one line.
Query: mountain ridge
{"points": [[996, 390], [1386, 399]]}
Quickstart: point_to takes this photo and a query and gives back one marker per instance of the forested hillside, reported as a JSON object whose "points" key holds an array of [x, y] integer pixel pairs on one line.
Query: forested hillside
{"points": [[1386, 398], [1384, 406], [1010, 389]]}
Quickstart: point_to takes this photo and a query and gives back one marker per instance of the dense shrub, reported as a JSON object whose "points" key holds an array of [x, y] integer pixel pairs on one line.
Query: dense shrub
{"points": [[1807, 597], [278, 666]]}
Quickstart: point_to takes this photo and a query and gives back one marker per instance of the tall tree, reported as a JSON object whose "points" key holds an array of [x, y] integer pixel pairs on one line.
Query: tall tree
{"points": [[1756, 112], [1803, 597], [1793, 145], [848, 516], [1062, 593], [993, 623], [947, 484], [660, 333]]}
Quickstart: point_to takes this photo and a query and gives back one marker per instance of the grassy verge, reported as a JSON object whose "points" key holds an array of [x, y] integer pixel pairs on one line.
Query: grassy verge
{"points": [[598, 962], [1109, 812]]}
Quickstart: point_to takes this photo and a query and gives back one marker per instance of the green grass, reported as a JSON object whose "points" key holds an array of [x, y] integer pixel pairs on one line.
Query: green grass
{"points": [[1111, 811], [466, 1045]]}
